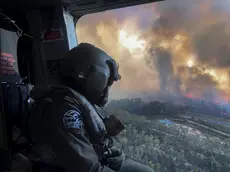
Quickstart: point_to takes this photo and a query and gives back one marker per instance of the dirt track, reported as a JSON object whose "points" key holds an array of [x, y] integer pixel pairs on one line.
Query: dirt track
{"points": [[187, 120], [202, 127]]}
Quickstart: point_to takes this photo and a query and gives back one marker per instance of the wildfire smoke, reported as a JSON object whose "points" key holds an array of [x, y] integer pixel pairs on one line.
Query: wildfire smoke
{"points": [[177, 47]]}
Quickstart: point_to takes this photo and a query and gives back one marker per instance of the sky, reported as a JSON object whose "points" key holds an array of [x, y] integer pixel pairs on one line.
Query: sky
{"points": [[170, 48]]}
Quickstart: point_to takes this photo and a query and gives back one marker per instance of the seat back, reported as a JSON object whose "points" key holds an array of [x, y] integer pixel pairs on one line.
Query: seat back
{"points": [[4, 140], [13, 94]]}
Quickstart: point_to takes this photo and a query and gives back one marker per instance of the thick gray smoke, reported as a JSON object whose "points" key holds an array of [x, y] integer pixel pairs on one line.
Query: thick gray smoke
{"points": [[164, 67], [179, 14], [205, 24], [213, 45], [206, 21]]}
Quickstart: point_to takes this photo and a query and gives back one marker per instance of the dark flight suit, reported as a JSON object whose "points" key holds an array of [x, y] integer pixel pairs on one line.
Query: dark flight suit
{"points": [[60, 126]]}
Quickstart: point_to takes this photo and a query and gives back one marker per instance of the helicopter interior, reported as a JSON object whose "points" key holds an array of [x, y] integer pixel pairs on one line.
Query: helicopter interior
{"points": [[34, 36]]}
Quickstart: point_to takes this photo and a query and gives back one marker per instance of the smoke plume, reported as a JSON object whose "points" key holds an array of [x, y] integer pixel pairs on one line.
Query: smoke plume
{"points": [[177, 47]]}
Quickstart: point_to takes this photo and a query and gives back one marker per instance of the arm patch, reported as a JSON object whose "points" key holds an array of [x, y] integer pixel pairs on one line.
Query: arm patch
{"points": [[73, 119]]}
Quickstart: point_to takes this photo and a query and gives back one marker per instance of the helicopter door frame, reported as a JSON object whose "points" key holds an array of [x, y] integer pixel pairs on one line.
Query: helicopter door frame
{"points": [[60, 25]]}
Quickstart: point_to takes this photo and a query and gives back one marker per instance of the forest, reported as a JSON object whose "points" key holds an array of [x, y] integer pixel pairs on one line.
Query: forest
{"points": [[157, 135], [153, 108]]}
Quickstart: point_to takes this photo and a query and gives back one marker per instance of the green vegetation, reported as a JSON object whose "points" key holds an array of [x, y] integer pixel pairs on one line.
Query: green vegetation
{"points": [[174, 148]]}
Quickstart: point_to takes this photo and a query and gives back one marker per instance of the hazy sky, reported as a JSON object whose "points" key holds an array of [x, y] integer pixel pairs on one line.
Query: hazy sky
{"points": [[178, 47]]}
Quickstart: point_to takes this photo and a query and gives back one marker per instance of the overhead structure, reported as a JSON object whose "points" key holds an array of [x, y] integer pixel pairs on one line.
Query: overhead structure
{"points": [[75, 7], [82, 7]]}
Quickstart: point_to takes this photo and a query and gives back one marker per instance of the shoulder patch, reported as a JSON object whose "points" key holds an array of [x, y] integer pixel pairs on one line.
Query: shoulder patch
{"points": [[73, 119]]}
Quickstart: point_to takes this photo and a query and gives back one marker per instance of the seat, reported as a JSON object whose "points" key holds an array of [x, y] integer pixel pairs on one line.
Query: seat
{"points": [[13, 94]]}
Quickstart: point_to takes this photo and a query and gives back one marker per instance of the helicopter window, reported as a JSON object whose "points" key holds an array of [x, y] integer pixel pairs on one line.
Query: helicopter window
{"points": [[174, 93], [8, 58]]}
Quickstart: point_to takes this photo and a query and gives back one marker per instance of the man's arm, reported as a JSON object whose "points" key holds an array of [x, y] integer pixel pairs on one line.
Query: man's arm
{"points": [[74, 152], [64, 127]]}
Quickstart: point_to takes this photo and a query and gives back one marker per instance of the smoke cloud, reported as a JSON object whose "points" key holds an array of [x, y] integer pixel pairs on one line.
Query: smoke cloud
{"points": [[162, 62], [177, 47], [212, 45]]}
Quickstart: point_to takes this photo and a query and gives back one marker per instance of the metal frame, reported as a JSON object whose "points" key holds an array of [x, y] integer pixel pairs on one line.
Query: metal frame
{"points": [[82, 7]]}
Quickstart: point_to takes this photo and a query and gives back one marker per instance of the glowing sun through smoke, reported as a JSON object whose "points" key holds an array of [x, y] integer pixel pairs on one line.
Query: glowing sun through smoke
{"points": [[190, 63], [131, 41]]}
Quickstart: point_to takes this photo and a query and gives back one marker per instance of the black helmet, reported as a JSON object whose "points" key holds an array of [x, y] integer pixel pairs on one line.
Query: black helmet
{"points": [[90, 71]]}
